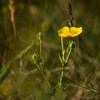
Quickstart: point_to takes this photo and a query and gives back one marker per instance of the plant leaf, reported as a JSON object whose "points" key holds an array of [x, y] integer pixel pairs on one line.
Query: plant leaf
{"points": [[7, 67]]}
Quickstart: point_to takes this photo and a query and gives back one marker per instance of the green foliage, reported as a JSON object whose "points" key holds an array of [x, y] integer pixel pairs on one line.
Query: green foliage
{"points": [[59, 95], [66, 54], [6, 69], [39, 36], [35, 59], [68, 51], [80, 78]]}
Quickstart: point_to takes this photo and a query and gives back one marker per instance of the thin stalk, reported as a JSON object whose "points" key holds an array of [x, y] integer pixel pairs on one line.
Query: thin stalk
{"points": [[62, 48], [40, 48], [62, 72], [39, 67], [14, 28], [55, 87], [61, 77], [70, 49]]}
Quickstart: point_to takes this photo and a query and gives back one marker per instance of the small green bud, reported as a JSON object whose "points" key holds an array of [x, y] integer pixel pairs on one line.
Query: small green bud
{"points": [[39, 35]]}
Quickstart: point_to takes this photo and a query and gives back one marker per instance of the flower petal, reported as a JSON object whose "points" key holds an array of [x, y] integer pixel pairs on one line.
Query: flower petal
{"points": [[69, 32], [75, 31], [63, 32]]}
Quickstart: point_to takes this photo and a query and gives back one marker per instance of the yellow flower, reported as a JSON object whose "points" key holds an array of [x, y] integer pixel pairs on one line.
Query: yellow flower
{"points": [[69, 32]]}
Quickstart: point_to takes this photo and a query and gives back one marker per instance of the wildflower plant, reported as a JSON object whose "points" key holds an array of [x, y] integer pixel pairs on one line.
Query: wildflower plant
{"points": [[68, 32], [37, 60], [63, 32]]}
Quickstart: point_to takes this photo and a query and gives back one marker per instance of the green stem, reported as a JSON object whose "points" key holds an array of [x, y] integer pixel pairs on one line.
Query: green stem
{"points": [[39, 67], [70, 49], [62, 72], [61, 77], [62, 48], [40, 48], [64, 59]]}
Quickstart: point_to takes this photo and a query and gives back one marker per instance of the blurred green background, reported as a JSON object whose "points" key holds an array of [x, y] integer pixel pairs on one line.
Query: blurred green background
{"points": [[82, 74]]}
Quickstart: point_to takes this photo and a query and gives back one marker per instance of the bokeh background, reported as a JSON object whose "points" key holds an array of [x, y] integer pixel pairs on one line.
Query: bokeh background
{"points": [[82, 74]]}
